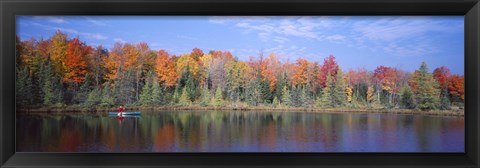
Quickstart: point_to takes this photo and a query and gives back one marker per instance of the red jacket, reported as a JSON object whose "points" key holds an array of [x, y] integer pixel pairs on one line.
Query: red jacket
{"points": [[120, 109]]}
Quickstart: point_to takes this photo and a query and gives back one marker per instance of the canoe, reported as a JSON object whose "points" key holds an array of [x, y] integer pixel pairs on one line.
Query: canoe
{"points": [[125, 113]]}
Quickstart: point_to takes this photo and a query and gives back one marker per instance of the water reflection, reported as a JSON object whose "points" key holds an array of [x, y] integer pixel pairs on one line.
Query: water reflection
{"points": [[195, 131]]}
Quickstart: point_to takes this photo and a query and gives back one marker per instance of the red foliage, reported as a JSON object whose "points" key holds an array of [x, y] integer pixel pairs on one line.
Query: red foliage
{"points": [[196, 53], [456, 86], [442, 74], [329, 66], [75, 62]]}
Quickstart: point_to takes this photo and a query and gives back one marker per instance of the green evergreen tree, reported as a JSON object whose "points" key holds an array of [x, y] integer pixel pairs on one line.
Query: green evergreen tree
{"points": [[406, 101], [24, 88], [427, 94], [444, 99], [107, 99], [254, 92], [304, 98], [93, 98], [281, 82], [184, 98], [157, 96], [218, 100], [48, 85], [176, 95], [286, 97], [146, 94], [190, 85], [206, 97], [266, 94], [84, 90], [339, 93], [275, 102], [327, 93]]}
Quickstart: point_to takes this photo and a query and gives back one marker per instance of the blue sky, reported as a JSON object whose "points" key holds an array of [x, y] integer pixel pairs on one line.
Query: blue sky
{"points": [[356, 41]]}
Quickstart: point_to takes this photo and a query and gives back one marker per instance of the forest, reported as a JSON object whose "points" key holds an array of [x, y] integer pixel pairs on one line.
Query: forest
{"points": [[61, 72]]}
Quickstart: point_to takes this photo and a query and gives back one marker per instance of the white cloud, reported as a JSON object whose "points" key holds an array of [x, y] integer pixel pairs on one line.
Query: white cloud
{"points": [[53, 19], [120, 40], [335, 37], [96, 21], [97, 36], [395, 28], [187, 37], [401, 36]]}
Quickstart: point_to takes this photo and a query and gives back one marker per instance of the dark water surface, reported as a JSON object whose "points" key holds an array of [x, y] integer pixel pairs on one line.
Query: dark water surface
{"points": [[222, 131]]}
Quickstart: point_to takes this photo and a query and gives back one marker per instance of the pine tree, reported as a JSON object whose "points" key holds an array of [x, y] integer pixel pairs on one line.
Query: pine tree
{"points": [[254, 91], [427, 93], [339, 94], [444, 100], [84, 91], [275, 102], [176, 95], [184, 99], [157, 96], [266, 94], [218, 100], [93, 98], [304, 98], [206, 98], [48, 85], [107, 99], [406, 101], [146, 95], [23, 88], [327, 95], [286, 97], [190, 86]]}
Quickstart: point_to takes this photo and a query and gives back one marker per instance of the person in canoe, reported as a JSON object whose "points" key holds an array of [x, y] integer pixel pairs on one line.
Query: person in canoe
{"points": [[120, 110]]}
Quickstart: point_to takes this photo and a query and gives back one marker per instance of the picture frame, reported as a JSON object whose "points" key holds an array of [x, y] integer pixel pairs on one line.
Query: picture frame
{"points": [[11, 8]]}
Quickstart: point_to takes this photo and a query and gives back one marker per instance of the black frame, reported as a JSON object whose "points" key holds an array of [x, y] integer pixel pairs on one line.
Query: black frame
{"points": [[9, 8]]}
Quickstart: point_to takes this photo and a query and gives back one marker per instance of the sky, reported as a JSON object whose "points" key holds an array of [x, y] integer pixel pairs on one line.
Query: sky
{"points": [[356, 41]]}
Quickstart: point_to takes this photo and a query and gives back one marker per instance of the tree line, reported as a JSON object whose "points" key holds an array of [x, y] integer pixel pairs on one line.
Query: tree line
{"points": [[59, 72]]}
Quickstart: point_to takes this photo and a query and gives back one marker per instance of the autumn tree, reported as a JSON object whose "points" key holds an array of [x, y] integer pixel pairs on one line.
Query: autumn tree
{"points": [[301, 72], [97, 65], [76, 61], [196, 54], [58, 52], [165, 69], [442, 74], [426, 92], [329, 66], [115, 62], [456, 87]]}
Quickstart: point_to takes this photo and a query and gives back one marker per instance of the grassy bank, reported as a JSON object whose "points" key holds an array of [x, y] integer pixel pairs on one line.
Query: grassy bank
{"points": [[454, 112]]}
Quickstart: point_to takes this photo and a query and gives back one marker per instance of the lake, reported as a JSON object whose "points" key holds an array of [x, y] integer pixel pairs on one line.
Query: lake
{"points": [[239, 131]]}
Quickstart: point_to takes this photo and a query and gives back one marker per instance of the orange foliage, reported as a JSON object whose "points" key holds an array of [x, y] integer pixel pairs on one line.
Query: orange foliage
{"points": [[166, 69], [300, 76], [75, 62], [115, 61]]}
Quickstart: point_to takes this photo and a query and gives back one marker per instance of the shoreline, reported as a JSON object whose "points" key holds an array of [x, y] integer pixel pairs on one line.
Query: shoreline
{"points": [[459, 112]]}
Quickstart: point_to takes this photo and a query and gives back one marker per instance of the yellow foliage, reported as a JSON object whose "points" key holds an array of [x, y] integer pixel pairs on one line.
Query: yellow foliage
{"points": [[186, 61], [349, 94]]}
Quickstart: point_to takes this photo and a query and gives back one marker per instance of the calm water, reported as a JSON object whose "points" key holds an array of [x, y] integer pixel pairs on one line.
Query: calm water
{"points": [[195, 131]]}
